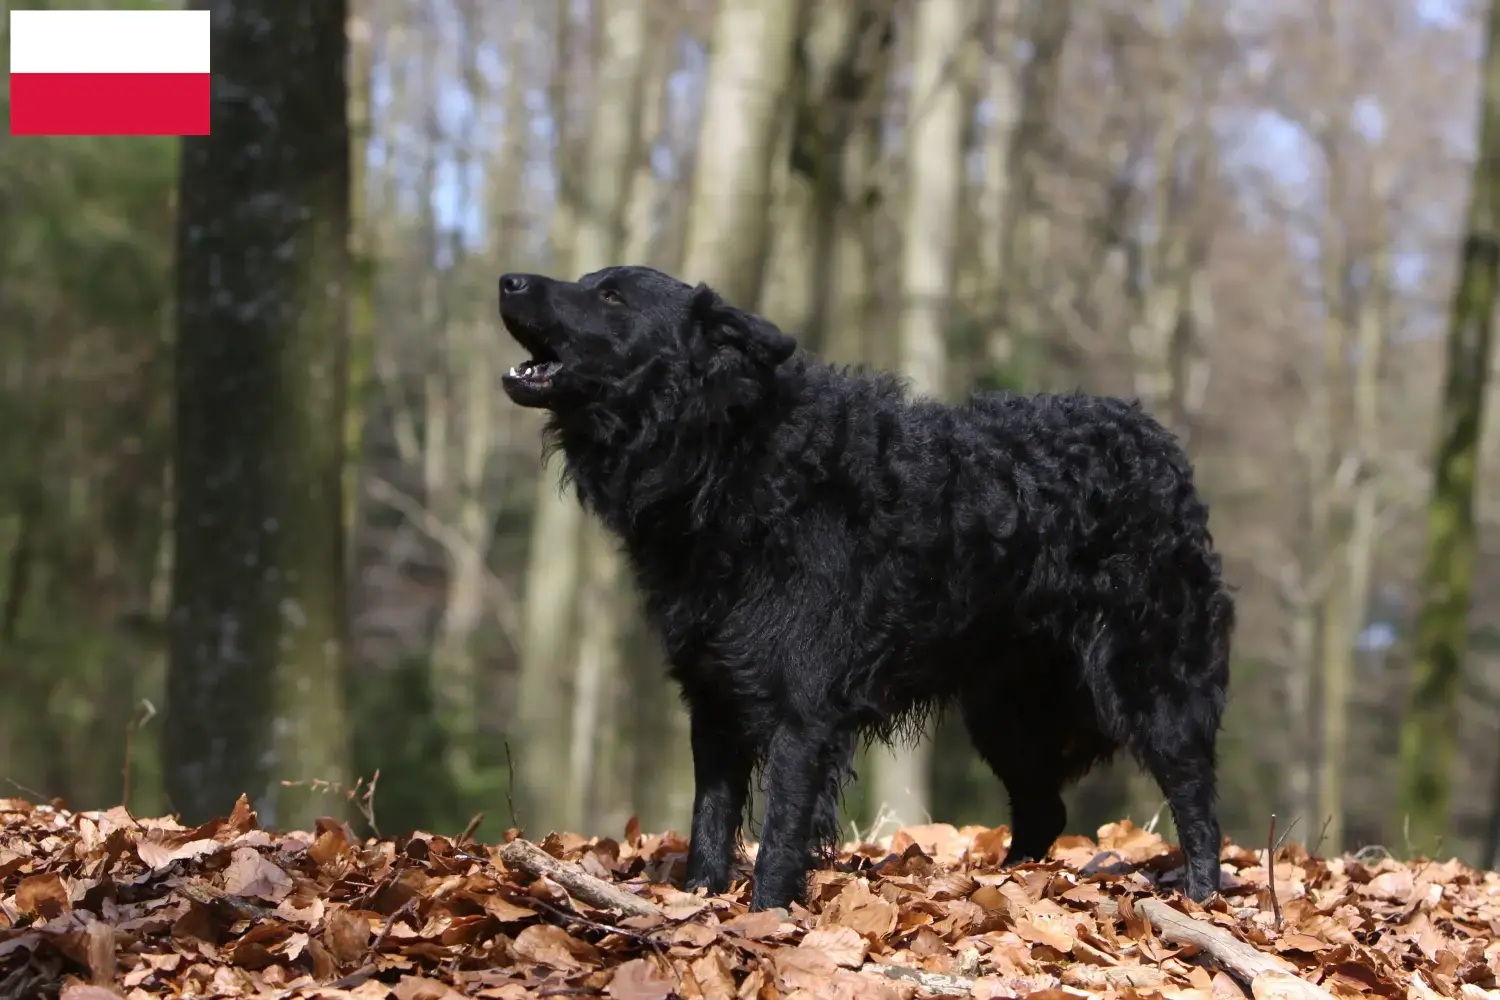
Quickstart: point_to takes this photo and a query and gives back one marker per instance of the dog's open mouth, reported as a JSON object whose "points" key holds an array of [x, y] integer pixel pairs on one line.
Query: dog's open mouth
{"points": [[533, 382], [534, 374]]}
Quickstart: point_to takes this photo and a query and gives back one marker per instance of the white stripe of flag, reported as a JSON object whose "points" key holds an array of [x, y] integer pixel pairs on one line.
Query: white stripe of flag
{"points": [[109, 41]]}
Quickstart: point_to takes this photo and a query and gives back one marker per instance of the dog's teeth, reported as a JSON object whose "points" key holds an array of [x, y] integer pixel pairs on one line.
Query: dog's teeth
{"points": [[512, 372]]}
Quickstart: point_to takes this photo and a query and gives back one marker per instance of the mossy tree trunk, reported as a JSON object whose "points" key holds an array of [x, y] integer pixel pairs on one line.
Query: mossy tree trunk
{"points": [[255, 685], [1424, 790]]}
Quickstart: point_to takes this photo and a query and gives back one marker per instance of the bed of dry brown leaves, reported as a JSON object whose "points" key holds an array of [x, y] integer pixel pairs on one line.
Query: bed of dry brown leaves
{"points": [[102, 904]]}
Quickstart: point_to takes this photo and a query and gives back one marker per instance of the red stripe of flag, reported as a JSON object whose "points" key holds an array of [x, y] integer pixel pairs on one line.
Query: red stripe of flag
{"points": [[109, 103]]}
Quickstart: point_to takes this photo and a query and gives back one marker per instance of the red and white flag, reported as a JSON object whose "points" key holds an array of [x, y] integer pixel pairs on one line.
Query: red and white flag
{"points": [[109, 72]]}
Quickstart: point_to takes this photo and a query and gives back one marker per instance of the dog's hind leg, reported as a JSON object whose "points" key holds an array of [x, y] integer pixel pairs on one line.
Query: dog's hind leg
{"points": [[826, 834], [1186, 776], [797, 764], [722, 762], [1173, 735], [1036, 748]]}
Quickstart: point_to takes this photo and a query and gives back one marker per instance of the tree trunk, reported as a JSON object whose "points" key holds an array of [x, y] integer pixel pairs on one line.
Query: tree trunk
{"points": [[545, 686], [788, 285], [749, 74], [840, 59], [1302, 643], [361, 259], [934, 180], [1000, 136], [1349, 598], [642, 237], [1424, 787], [604, 185], [615, 147], [554, 566], [1025, 229], [654, 770], [258, 610], [846, 330]]}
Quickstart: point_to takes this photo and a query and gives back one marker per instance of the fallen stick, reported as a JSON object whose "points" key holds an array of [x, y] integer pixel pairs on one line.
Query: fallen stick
{"points": [[934, 982], [531, 859], [1268, 976]]}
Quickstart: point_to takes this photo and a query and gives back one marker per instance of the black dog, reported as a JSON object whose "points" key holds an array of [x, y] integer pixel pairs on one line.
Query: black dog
{"points": [[828, 560]]}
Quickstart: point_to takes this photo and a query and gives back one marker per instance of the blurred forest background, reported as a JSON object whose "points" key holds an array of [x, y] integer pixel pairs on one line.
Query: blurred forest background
{"points": [[268, 523]]}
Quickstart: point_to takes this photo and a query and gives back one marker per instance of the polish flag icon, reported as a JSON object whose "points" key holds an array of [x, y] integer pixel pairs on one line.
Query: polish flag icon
{"points": [[109, 72]]}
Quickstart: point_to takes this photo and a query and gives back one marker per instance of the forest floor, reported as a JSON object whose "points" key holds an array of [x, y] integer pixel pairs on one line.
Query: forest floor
{"points": [[104, 904]]}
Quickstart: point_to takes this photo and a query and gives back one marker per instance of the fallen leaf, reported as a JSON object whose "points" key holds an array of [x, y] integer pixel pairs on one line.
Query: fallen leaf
{"points": [[505, 911], [714, 973], [755, 925], [549, 945], [803, 968], [639, 979], [422, 988], [251, 874], [242, 819], [346, 936], [42, 896], [843, 945], [101, 952], [861, 911], [160, 855], [1397, 886]]}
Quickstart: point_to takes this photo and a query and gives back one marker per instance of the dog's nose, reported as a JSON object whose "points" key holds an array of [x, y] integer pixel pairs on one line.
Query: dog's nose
{"points": [[513, 284]]}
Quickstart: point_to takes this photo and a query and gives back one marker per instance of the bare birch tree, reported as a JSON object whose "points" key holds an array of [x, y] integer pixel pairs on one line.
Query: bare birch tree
{"points": [[614, 147], [749, 76], [934, 181], [555, 560]]}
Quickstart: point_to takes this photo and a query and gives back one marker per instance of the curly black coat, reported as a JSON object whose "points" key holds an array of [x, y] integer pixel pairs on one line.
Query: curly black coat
{"points": [[827, 559]]}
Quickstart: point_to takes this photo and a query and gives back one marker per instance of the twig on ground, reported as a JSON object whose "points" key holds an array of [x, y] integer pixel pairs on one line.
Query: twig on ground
{"points": [[940, 983], [211, 896], [510, 784], [144, 713], [1151, 823], [630, 935], [1271, 872], [362, 794], [469, 831], [1372, 854], [1281, 840], [1236, 957], [385, 932], [354, 978], [36, 796], [574, 918], [365, 802], [529, 858], [1322, 833]]}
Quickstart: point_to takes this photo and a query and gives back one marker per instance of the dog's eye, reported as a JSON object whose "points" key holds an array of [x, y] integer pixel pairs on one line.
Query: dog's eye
{"points": [[611, 296]]}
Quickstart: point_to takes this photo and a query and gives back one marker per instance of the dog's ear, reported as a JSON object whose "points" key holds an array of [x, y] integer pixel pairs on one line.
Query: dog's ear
{"points": [[755, 336]]}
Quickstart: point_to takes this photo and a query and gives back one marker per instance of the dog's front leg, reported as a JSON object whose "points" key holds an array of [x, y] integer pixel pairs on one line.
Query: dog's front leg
{"points": [[795, 764], [722, 761]]}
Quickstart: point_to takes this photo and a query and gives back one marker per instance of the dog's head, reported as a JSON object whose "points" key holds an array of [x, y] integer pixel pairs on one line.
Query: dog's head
{"points": [[628, 329]]}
